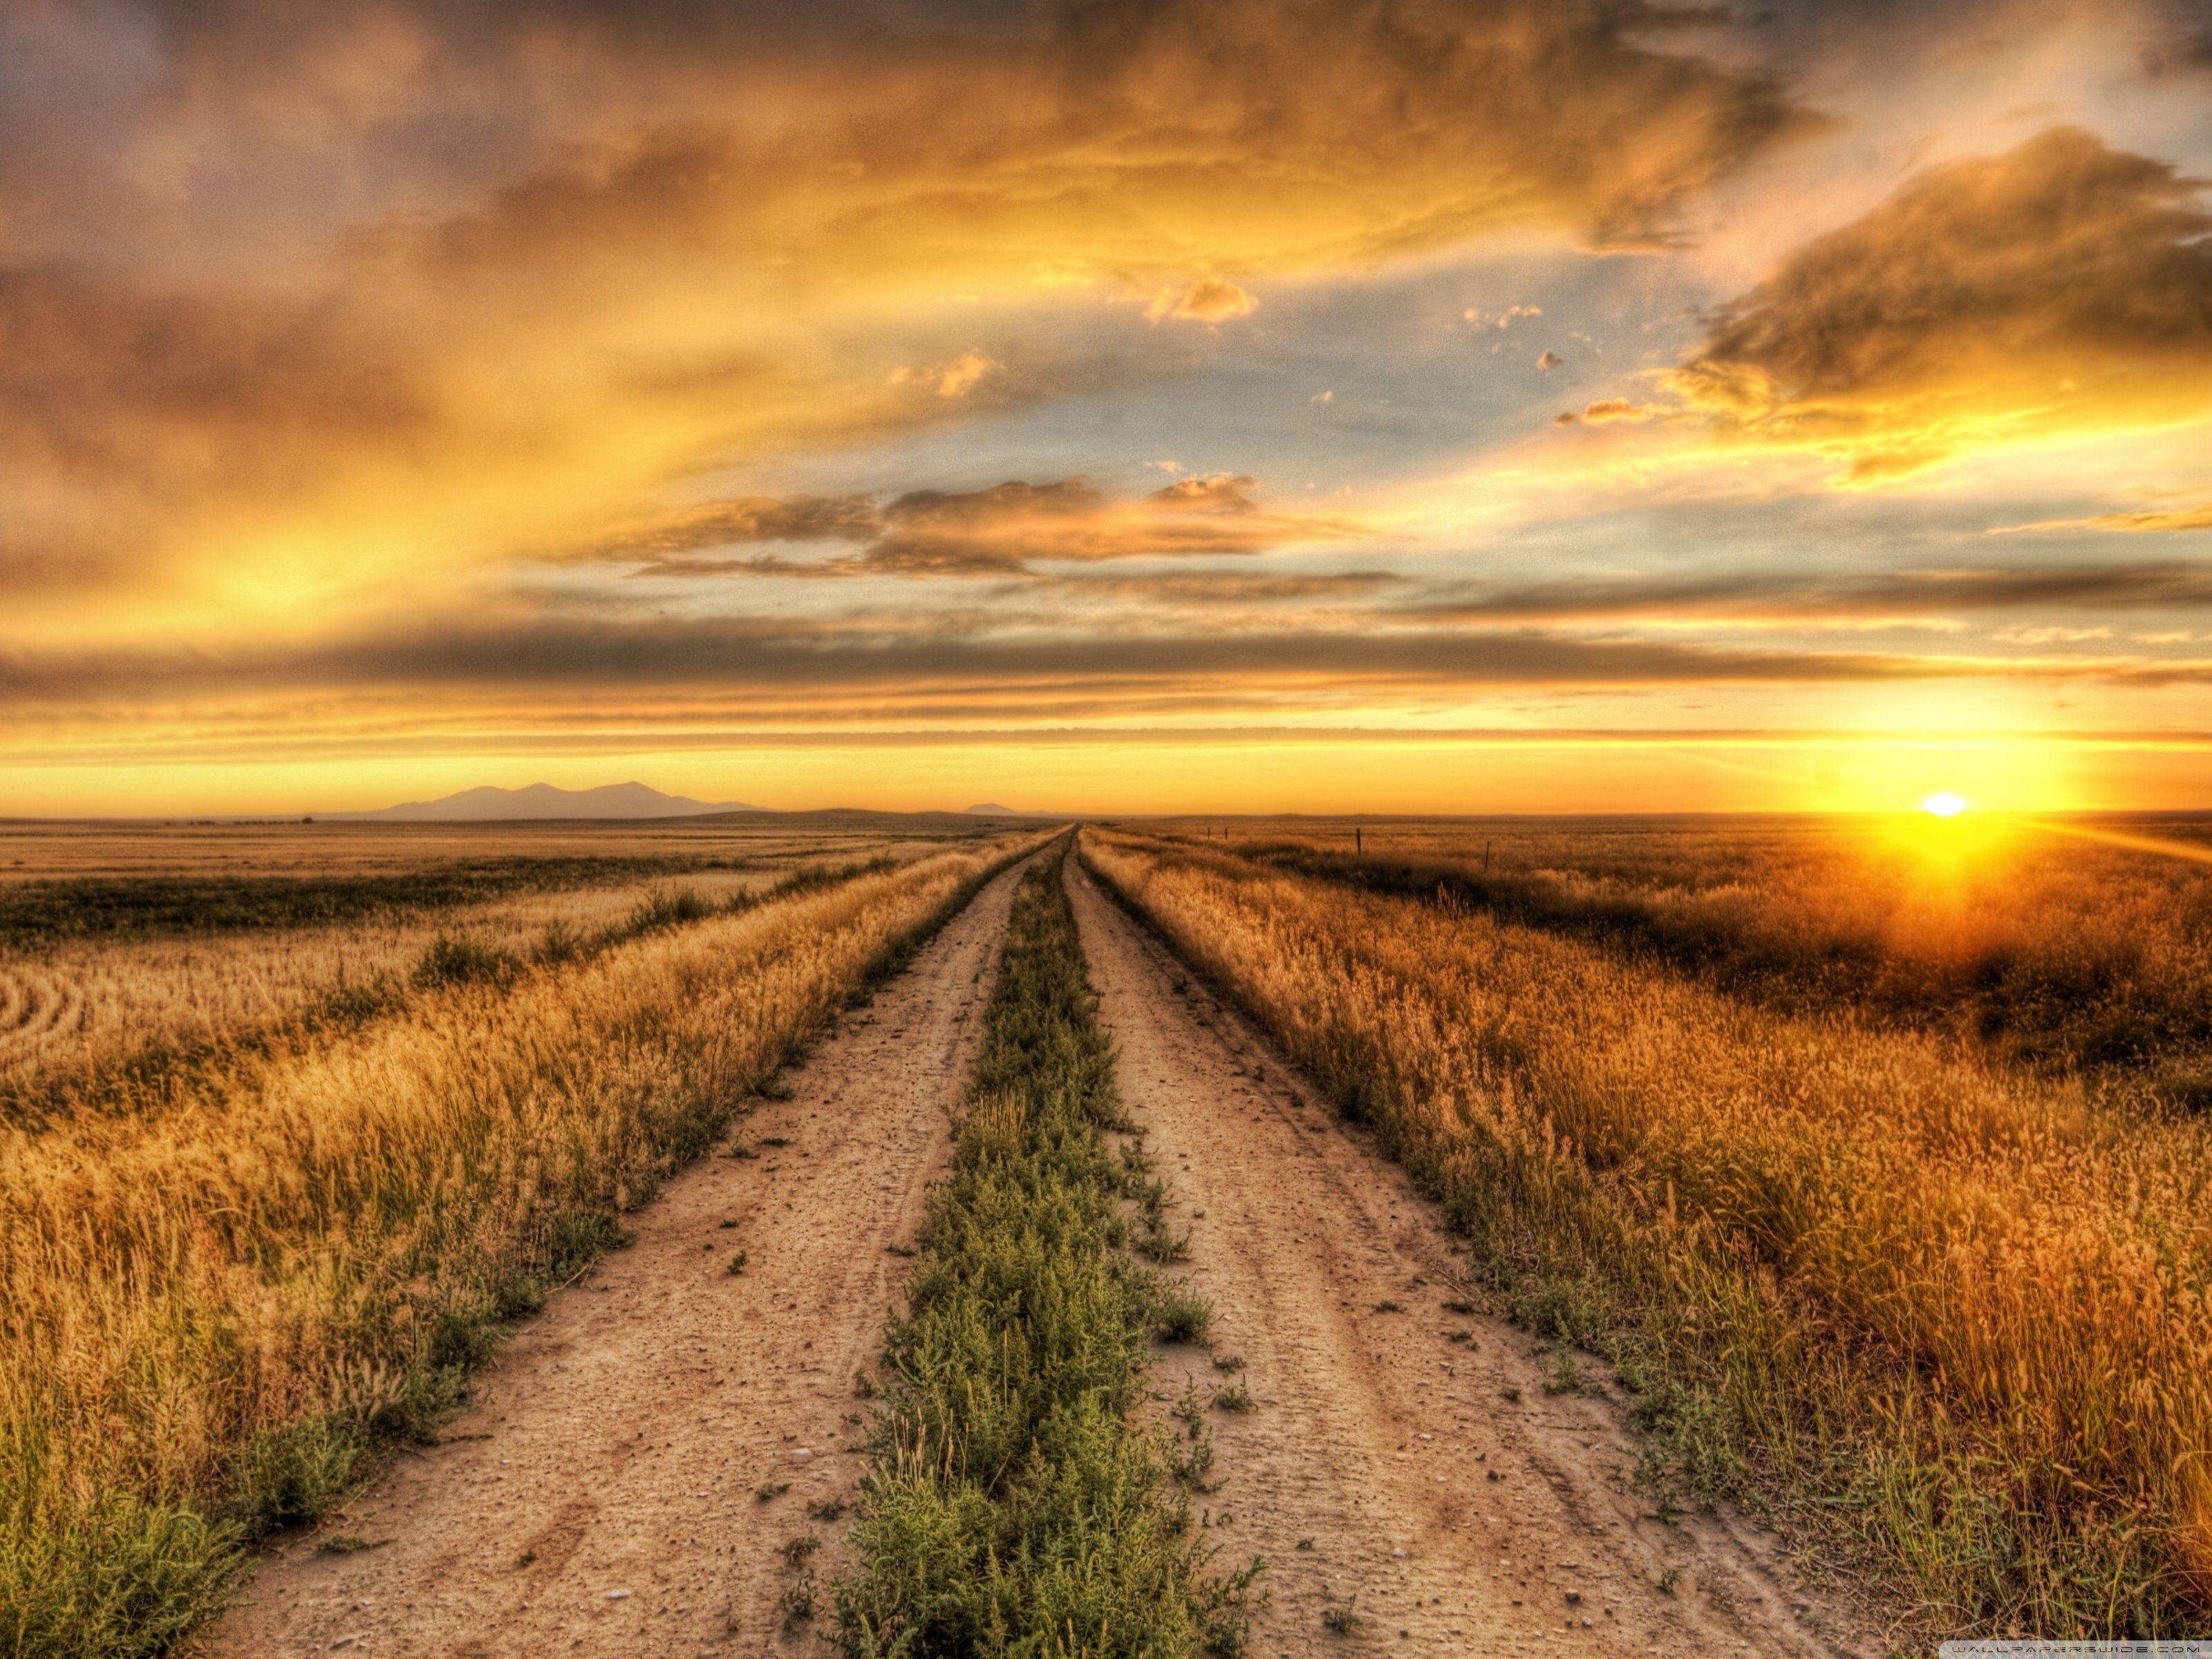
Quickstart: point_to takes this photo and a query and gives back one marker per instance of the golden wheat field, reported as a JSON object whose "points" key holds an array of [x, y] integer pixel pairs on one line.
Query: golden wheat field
{"points": [[1859, 1170], [1935, 1297], [2073, 943], [126, 946], [228, 1274]]}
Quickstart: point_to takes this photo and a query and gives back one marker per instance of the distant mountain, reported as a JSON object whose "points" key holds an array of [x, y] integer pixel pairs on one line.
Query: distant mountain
{"points": [[991, 809], [543, 800]]}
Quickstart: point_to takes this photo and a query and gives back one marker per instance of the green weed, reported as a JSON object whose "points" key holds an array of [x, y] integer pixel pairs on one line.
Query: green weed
{"points": [[1013, 1499]]}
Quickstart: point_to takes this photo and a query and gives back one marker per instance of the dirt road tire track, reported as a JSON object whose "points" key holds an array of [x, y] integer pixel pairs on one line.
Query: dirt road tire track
{"points": [[617, 1443], [1385, 1461]]}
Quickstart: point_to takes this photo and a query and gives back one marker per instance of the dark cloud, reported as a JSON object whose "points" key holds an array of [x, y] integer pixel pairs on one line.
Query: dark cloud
{"points": [[1788, 598], [155, 392], [2061, 286], [2184, 45], [1559, 104], [748, 518], [741, 654], [576, 676], [1167, 140], [1003, 530], [763, 659], [704, 567], [943, 512], [128, 415], [1224, 587]]}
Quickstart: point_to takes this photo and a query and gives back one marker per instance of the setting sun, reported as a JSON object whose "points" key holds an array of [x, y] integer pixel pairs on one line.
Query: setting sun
{"points": [[1944, 804]]}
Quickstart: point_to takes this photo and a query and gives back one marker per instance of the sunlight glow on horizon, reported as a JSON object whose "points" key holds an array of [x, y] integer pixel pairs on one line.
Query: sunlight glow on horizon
{"points": [[781, 410]]}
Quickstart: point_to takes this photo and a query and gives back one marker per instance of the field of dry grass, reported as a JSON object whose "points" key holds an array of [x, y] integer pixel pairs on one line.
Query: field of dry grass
{"points": [[2038, 943], [212, 1305], [73, 1012], [117, 964], [1944, 1316], [1873, 1161], [34, 850]]}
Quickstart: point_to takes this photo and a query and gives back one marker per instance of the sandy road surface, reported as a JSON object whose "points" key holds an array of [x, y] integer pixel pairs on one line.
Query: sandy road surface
{"points": [[617, 1443], [1431, 1486]]}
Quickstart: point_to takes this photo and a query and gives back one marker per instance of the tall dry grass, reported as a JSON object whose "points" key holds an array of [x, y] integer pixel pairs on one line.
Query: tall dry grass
{"points": [[1950, 1316], [2034, 945], [83, 1007], [208, 1315], [38, 851]]}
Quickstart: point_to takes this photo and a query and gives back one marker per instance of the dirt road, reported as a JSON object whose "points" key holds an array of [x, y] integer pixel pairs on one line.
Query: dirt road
{"points": [[603, 1496], [1404, 1464]]}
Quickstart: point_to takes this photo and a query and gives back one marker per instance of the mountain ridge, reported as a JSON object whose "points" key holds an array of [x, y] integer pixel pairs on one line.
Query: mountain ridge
{"points": [[488, 802]]}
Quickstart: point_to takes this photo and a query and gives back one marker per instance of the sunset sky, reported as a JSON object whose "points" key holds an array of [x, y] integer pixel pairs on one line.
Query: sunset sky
{"points": [[1127, 405]]}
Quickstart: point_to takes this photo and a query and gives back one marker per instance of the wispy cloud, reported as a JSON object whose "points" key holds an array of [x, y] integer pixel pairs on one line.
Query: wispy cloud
{"points": [[2148, 521], [1209, 300], [1007, 528], [1785, 598]]}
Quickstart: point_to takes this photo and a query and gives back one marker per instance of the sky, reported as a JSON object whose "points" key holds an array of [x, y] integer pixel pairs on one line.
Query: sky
{"points": [[1107, 406]]}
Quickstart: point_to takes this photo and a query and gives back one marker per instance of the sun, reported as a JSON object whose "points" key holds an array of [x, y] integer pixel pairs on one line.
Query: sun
{"points": [[1944, 804]]}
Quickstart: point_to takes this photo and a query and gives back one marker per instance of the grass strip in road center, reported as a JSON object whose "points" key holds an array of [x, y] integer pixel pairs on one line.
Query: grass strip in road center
{"points": [[1017, 1504]]}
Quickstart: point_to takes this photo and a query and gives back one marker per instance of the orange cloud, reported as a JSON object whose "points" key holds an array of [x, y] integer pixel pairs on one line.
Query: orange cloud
{"points": [[672, 680], [2058, 290], [956, 379], [1005, 529], [2146, 522], [1209, 300], [298, 318]]}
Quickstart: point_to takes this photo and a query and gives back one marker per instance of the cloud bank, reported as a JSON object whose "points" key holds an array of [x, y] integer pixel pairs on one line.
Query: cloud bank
{"points": [[2062, 288]]}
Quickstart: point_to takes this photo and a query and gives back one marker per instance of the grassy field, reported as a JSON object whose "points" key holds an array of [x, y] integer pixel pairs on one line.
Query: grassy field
{"points": [[35, 851], [117, 968], [110, 1022], [1016, 1505], [1873, 1159], [1944, 1317], [2042, 945], [214, 1305]]}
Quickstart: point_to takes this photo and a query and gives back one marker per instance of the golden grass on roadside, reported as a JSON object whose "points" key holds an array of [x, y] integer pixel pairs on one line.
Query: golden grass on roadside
{"points": [[85, 1004], [207, 1314], [1953, 1316], [60, 850], [2035, 944]]}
